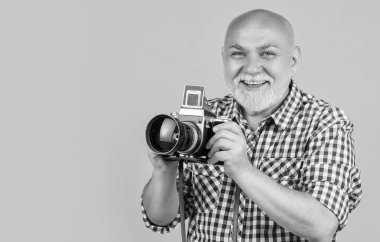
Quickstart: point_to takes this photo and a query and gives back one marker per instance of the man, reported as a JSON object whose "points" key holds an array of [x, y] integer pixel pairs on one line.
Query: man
{"points": [[290, 154]]}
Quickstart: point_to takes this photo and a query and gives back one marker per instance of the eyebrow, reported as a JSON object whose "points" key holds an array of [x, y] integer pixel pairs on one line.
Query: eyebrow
{"points": [[268, 45], [265, 46], [236, 46]]}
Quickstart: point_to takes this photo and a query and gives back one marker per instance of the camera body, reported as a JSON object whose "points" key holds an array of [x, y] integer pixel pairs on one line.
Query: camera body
{"points": [[184, 134]]}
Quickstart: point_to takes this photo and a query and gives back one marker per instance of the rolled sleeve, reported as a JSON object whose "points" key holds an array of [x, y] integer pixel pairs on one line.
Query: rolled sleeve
{"points": [[188, 198], [157, 228], [329, 173]]}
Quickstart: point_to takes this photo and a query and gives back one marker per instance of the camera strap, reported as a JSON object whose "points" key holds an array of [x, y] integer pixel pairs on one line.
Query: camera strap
{"points": [[236, 213], [182, 205], [181, 201]]}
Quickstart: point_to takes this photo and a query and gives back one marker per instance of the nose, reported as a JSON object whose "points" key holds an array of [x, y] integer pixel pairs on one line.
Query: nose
{"points": [[253, 64]]}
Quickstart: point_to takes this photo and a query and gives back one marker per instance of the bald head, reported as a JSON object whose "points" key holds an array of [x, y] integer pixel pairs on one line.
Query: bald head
{"points": [[260, 59], [263, 19]]}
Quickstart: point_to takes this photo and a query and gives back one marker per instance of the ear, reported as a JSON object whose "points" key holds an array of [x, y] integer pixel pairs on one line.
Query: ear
{"points": [[296, 58]]}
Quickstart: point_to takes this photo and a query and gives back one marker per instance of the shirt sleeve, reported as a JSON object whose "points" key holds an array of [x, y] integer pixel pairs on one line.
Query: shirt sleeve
{"points": [[188, 199], [329, 172]]}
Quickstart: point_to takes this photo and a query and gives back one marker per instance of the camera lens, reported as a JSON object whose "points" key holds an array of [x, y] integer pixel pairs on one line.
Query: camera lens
{"points": [[167, 135]]}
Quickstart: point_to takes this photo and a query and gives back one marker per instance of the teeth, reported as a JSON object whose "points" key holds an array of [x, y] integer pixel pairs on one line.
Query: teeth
{"points": [[253, 80], [249, 79]]}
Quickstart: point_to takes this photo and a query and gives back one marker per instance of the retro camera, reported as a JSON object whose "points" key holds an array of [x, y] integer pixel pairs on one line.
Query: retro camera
{"points": [[184, 134]]}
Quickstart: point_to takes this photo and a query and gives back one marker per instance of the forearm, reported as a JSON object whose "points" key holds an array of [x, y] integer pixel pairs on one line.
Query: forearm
{"points": [[296, 211], [160, 197]]}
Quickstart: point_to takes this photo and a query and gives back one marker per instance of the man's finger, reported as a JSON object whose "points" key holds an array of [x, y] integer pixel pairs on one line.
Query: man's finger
{"points": [[221, 134], [231, 126], [219, 156], [220, 144]]}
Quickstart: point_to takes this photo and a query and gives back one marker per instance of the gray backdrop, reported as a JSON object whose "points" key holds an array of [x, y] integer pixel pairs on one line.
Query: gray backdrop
{"points": [[81, 79]]}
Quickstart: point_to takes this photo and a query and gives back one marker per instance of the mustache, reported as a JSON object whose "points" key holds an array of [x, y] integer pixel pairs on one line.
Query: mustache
{"points": [[252, 77]]}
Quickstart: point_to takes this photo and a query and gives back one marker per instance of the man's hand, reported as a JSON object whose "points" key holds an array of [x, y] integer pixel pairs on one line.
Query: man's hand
{"points": [[159, 162], [160, 197], [228, 145]]}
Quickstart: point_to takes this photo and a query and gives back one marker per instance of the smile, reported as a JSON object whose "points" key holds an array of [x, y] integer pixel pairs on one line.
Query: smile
{"points": [[254, 84]]}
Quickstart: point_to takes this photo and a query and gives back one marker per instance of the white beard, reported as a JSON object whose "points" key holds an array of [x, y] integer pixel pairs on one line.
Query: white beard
{"points": [[261, 99]]}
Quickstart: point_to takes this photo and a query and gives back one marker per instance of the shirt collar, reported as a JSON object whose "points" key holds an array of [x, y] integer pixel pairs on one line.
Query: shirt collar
{"points": [[237, 115], [285, 114]]}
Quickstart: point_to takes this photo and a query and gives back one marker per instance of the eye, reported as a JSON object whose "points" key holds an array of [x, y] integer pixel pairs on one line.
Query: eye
{"points": [[267, 54], [237, 54]]}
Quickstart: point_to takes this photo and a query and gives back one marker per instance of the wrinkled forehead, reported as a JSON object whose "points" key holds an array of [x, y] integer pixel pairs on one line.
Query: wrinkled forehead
{"points": [[268, 27]]}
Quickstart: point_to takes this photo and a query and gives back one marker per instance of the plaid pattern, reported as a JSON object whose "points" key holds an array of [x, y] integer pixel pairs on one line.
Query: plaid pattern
{"points": [[305, 145]]}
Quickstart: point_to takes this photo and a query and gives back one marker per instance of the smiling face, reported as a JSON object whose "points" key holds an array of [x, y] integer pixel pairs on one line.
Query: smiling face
{"points": [[259, 60]]}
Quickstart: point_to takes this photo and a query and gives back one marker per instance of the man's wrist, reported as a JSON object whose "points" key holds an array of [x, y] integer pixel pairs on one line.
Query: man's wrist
{"points": [[244, 174], [166, 167], [165, 172]]}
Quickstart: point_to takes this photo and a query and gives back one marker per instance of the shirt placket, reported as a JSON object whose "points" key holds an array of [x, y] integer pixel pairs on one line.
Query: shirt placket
{"points": [[241, 216], [243, 199]]}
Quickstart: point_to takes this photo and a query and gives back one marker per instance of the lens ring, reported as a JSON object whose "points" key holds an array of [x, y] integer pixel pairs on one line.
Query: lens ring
{"points": [[152, 132], [194, 138], [167, 135]]}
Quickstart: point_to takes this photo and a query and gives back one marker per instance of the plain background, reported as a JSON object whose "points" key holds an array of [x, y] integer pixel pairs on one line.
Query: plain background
{"points": [[81, 79]]}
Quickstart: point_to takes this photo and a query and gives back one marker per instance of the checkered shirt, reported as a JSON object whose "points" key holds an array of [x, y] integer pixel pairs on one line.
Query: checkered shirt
{"points": [[305, 145]]}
